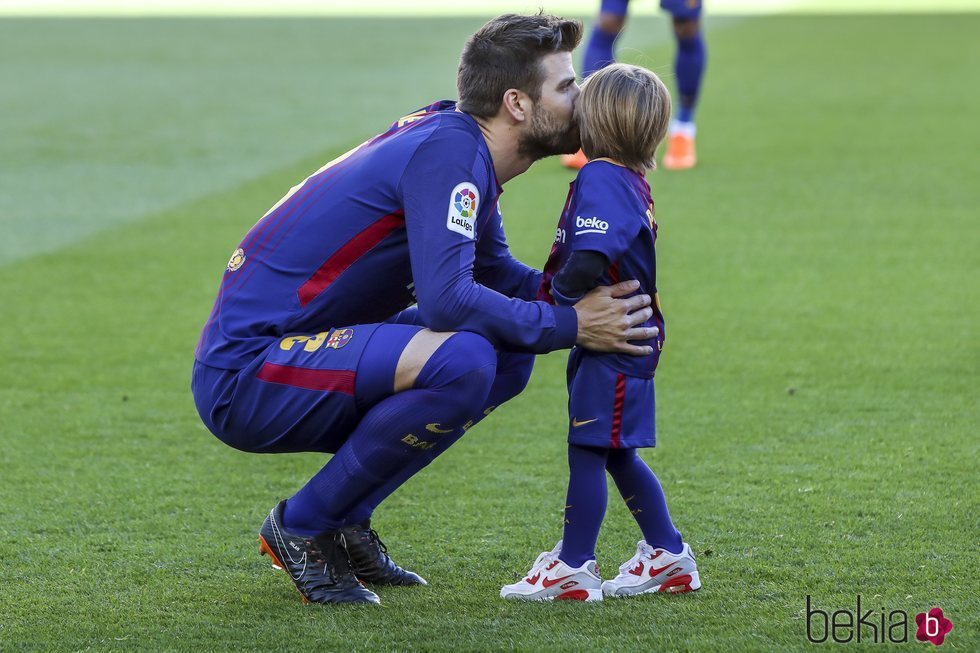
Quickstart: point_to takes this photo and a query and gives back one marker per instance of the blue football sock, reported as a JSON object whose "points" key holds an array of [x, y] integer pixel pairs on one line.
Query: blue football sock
{"points": [[598, 51], [395, 433], [585, 504], [513, 373], [645, 499], [689, 69]]}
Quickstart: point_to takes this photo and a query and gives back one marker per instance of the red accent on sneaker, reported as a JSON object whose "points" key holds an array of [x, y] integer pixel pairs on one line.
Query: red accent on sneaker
{"points": [[574, 595], [534, 579], [548, 582], [637, 570], [678, 585], [656, 570]]}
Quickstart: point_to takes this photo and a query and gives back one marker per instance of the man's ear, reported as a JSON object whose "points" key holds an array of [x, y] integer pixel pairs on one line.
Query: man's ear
{"points": [[517, 105]]}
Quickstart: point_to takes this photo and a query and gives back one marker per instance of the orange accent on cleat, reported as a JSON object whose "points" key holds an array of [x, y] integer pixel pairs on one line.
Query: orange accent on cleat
{"points": [[574, 595], [680, 153], [574, 161], [266, 550]]}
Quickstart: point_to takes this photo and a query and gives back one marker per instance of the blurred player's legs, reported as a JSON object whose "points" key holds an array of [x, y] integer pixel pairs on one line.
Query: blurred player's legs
{"points": [[689, 63], [600, 48], [599, 53]]}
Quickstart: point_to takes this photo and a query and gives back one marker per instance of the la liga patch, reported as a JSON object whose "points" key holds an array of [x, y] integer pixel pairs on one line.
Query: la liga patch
{"points": [[464, 202]]}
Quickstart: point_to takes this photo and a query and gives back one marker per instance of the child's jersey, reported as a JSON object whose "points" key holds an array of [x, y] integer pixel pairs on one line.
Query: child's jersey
{"points": [[610, 210]]}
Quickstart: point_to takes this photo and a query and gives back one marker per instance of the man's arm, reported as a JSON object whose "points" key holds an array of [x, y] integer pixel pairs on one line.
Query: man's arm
{"points": [[445, 171]]}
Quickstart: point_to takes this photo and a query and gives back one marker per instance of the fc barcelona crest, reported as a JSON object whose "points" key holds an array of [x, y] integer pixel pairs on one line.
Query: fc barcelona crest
{"points": [[339, 338], [237, 260]]}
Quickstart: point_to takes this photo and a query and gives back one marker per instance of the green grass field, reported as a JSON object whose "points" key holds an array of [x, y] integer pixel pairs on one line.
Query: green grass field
{"points": [[818, 403]]}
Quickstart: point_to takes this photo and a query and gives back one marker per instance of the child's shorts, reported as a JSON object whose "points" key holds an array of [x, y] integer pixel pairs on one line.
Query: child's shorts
{"points": [[607, 408]]}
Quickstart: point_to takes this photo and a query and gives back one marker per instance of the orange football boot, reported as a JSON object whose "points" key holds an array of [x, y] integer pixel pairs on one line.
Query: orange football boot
{"points": [[680, 152], [574, 161]]}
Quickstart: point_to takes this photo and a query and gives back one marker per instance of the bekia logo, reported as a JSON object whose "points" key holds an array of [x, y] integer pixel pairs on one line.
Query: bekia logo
{"points": [[464, 201], [590, 226], [933, 626], [873, 626]]}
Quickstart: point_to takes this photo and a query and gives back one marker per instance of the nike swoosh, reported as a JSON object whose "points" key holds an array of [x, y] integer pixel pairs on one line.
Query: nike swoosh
{"points": [[282, 547], [434, 428], [548, 582], [576, 423], [654, 571]]}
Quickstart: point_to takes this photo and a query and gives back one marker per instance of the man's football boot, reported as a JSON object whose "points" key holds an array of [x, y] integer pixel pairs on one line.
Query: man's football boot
{"points": [[655, 570], [681, 154], [318, 566], [551, 579], [370, 560]]}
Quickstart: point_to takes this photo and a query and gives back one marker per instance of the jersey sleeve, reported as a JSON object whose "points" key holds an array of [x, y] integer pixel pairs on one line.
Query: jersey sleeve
{"points": [[497, 269], [580, 274], [442, 189], [606, 219]]}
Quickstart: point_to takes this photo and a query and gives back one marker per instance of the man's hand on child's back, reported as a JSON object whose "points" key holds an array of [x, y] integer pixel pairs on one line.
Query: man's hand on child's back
{"points": [[607, 323]]}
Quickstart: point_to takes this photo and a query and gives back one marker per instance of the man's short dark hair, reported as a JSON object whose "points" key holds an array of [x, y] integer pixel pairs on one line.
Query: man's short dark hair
{"points": [[506, 53]]}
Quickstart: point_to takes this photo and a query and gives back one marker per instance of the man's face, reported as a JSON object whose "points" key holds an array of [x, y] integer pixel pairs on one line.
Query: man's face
{"points": [[552, 128]]}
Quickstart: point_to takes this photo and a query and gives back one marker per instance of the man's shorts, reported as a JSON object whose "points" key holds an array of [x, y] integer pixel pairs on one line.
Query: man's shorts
{"points": [[683, 9], [304, 392], [607, 408]]}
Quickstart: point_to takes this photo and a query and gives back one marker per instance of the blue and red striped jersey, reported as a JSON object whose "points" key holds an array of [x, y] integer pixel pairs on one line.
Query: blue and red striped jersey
{"points": [[610, 210], [408, 216]]}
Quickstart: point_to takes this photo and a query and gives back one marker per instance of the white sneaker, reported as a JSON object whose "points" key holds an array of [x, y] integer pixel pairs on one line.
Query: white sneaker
{"points": [[655, 570], [550, 578]]}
